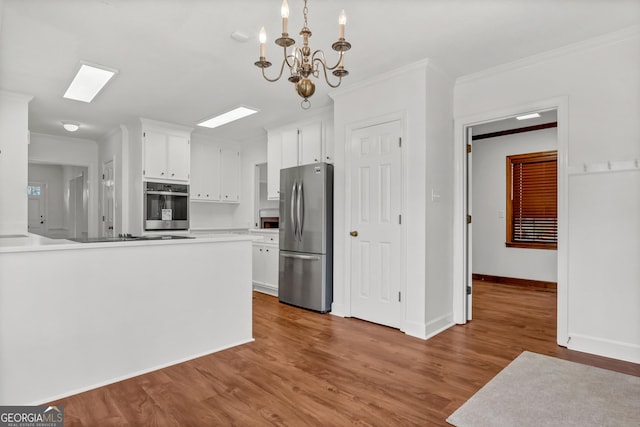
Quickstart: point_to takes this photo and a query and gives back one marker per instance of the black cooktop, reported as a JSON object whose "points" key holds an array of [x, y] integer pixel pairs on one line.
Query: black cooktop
{"points": [[127, 238]]}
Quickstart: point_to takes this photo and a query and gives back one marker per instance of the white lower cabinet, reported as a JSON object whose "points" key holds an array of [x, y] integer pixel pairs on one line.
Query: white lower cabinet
{"points": [[265, 265]]}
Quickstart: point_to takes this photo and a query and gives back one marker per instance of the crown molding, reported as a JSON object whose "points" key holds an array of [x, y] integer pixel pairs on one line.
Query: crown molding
{"points": [[15, 95], [604, 40], [419, 65]]}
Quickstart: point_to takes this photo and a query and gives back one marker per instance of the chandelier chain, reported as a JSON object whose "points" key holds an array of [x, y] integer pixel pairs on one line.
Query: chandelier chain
{"points": [[305, 11]]}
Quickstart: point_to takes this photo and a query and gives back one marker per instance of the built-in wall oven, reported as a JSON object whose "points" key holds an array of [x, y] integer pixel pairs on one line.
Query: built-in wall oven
{"points": [[166, 206]]}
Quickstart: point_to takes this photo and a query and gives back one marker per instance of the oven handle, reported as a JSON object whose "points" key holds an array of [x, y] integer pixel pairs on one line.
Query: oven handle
{"points": [[165, 193]]}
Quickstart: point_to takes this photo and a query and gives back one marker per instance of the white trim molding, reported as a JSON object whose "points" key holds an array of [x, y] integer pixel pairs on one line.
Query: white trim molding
{"points": [[604, 347], [561, 104], [610, 38]]}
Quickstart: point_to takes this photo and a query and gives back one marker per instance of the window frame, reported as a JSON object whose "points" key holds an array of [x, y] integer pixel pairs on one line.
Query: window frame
{"points": [[538, 157]]}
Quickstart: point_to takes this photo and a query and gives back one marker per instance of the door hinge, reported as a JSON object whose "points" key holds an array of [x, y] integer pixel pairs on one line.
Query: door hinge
{"points": [[102, 217], [399, 296], [103, 177], [400, 142], [468, 219], [468, 290], [400, 219], [468, 148], [144, 134]]}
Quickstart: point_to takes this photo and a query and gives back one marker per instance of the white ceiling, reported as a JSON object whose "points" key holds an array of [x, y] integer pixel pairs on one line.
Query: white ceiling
{"points": [[178, 63]]}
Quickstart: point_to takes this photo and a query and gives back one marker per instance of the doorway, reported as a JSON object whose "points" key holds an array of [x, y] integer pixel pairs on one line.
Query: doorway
{"points": [[492, 256], [37, 207], [461, 266], [58, 200], [108, 200]]}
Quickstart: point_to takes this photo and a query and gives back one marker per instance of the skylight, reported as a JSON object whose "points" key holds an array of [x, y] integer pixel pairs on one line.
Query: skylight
{"points": [[88, 82], [229, 116]]}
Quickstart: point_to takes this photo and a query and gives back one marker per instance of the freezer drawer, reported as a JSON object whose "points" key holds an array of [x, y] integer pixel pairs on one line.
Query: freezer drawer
{"points": [[305, 280]]}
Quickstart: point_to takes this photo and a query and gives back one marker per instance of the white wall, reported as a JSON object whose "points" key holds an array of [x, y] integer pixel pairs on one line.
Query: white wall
{"points": [[490, 255], [600, 80], [208, 215], [14, 137], [51, 149], [420, 96]]}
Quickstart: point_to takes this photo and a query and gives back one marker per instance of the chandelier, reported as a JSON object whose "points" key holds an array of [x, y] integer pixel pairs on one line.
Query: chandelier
{"points": [[301, 62]]}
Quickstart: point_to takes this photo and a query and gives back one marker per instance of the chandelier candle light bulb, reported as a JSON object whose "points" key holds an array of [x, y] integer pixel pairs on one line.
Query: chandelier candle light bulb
{"points": [[284, 11], [263, 39], [304, 63]]}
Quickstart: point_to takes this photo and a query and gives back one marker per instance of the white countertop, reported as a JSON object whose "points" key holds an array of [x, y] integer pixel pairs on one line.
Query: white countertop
{"points": [[35, 243], [264, 230]]}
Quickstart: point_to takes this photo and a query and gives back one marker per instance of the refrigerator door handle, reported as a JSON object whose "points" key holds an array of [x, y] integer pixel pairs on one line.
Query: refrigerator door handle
{"points": [[300, 209], [294, 223], [296, 256]]}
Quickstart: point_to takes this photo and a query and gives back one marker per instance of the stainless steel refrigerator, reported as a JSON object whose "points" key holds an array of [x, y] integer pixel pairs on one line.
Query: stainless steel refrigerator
{"points": [[306, 237]]}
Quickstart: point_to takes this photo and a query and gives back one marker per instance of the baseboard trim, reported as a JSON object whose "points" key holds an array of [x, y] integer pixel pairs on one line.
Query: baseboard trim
{"points": [[265, 289], [515, 281], [603, 347]]}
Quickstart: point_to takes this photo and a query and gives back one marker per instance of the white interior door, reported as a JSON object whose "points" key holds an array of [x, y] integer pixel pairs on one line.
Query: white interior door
{"points": [[37, 208], [108, 200], [376, 171], [469, 239]]}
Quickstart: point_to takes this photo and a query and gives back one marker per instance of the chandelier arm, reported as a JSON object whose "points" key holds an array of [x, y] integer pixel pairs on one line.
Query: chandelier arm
{"points": [[286, 58], [323, 61], [277, 78], [326, 78]]}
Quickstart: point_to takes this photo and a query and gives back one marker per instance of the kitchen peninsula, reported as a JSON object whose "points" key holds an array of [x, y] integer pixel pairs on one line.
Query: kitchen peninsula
{"points": [[75, 316]]}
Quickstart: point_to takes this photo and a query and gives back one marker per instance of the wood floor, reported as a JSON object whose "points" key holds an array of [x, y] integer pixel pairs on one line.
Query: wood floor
{"points": [[321, 370]]}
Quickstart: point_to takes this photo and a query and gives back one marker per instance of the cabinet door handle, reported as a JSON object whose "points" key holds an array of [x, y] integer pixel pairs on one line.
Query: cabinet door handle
{"points": [[173, 174], [161, 173]]}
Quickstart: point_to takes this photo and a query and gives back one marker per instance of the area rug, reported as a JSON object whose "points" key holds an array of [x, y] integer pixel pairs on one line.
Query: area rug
{"points": [[537, 390]]}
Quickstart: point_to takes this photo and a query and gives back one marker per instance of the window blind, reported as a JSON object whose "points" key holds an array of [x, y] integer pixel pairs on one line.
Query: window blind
{"points": [[534, 198]]}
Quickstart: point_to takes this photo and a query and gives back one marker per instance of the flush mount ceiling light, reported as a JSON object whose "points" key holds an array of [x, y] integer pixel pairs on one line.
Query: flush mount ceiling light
{"points": [[70, 126], [528, 116], [300, 61], [229, 116], [88, 82]]}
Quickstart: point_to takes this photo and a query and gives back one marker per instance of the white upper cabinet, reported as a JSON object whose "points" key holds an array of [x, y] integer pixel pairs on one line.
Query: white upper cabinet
{"points": [[274, 162], [290, 148], [166, 152], [215, 173], [295, 145], [229, 175], [205, 172], [310, 144], [166, 157]]}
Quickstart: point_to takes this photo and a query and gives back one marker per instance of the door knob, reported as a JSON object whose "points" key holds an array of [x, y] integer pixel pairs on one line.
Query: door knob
{"points": [[354, 233]]}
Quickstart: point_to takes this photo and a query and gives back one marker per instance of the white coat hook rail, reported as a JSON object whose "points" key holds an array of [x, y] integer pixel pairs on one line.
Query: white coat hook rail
{"points": [[608, 166]]}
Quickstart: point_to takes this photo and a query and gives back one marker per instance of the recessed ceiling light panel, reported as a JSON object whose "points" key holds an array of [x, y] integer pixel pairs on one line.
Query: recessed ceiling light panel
{"points": [[229, 116], [88, 82], [528, 116]]}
